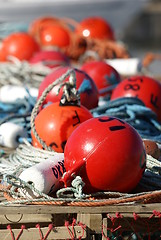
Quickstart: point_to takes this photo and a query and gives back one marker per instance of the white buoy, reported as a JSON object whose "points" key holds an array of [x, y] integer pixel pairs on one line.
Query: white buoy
{"points": [[10, 134], [43, 176]]}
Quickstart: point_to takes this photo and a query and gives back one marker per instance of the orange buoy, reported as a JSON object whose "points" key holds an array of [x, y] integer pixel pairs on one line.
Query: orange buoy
{"points": [[95, 27], [20, 45], [55, 123]]}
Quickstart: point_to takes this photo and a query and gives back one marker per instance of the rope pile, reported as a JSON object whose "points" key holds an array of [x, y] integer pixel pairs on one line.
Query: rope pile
{"points": [[15, 192], [75, 199], [24, 111], [24, 156], [22, 73], [21, 76], [133, 111]]}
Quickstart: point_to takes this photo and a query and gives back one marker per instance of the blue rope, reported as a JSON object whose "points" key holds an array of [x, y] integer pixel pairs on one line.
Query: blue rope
{"points": [[85, 86], [18, 112], [133, 111]]}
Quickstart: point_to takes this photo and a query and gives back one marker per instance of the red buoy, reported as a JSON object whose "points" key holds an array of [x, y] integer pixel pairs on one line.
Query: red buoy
{"points": [[103, 74], [84, 84], [145, 88], [39, 23], [55, 35], [20, 45], [54, 124], [50, 58], [107, 153], [95, 27]]}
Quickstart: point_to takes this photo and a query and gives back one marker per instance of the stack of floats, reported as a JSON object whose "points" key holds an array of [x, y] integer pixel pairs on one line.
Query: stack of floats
{"points": [[79, 127]]}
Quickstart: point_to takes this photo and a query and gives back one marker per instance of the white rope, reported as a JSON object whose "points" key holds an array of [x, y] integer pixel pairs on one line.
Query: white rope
{"points": [[18, 72], [153, 165], [23, 157]]}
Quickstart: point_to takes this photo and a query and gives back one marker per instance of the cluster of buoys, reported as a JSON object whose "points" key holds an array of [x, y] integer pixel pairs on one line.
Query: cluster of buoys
{"points": [[64, 35], [105, 151]]}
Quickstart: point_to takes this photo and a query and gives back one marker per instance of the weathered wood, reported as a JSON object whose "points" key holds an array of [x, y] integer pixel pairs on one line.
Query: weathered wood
{"points": [[51, 209], [104, 229], [25, 218], [56, 233], [93, 221]]}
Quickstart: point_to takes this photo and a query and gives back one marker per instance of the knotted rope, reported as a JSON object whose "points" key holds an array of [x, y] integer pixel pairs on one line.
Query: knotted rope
{"points": [[76, 189], [77, 199]]}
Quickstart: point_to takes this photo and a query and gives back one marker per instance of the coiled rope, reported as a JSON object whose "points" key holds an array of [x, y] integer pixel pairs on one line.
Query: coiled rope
{"points": [[18, 112], [13, 193], [133, 111], [22, 73], [24, 156]]}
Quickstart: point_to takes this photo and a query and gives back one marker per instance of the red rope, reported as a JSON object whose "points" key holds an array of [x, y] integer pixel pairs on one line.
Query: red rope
{"points": [[112, 229], [136, 216], [40, 232], [10, 229], [83, 226], [113, 220], [103, 235], [50, 227], [115, 226], [155, 214], [12, 234], [158, 215], [70, 233], [21, 231]]}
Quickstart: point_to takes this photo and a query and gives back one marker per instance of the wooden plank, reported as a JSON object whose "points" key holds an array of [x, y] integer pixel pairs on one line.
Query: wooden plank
{"points": [[56, 233], [25, 218], [92, 221], [57, 219], [85, 219], [104, 229], [51, 209]]}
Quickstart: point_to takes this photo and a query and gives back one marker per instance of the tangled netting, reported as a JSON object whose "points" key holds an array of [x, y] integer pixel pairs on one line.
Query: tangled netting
{"points": [[70, 230], [109, 226]]}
